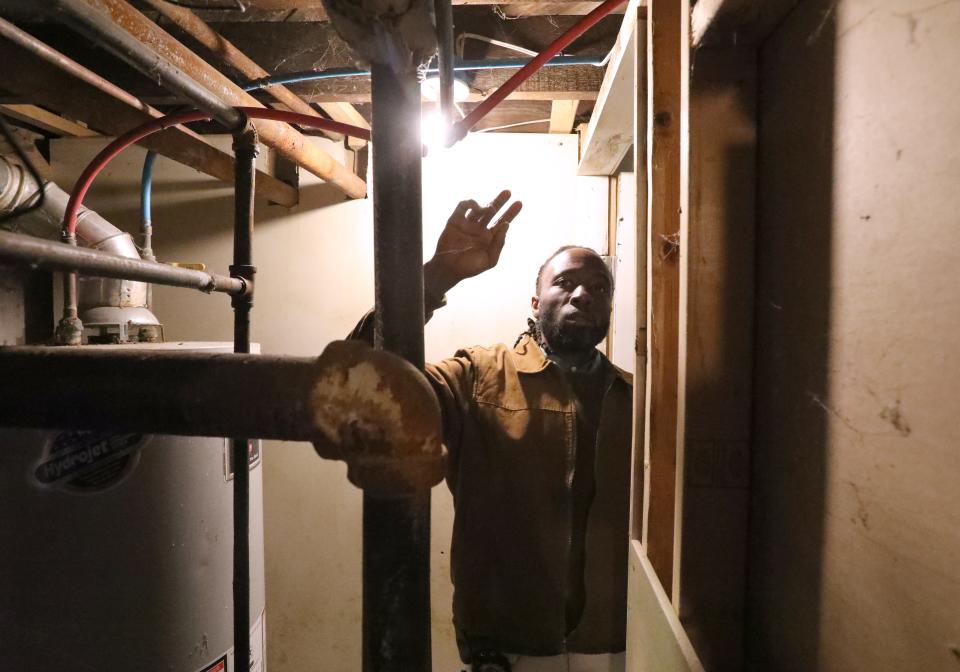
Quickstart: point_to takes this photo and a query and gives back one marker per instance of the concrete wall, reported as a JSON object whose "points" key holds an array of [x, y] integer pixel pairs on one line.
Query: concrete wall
{"points": [[315, 280], [855, 561]]}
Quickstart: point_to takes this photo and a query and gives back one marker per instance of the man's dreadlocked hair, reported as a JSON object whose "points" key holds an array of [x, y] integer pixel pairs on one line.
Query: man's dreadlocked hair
{"points": [[533, 328]]}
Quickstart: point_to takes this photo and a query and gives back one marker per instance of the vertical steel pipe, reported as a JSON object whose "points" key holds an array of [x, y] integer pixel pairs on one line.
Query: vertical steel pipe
{"points": [[443, 10], [396, 532], [245, 151]]}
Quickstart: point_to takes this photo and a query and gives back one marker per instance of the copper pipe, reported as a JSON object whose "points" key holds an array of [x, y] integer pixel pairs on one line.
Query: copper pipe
{"points": [[158, 50]]}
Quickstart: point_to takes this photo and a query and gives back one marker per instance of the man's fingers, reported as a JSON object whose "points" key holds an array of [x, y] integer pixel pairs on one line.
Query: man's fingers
{"points": [[500, 229], [460, 212], [496, 244], [483, 216], [511, 212]]}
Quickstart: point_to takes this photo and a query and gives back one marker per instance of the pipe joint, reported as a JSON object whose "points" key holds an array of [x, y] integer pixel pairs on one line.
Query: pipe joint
{"points": [[244, 273]]}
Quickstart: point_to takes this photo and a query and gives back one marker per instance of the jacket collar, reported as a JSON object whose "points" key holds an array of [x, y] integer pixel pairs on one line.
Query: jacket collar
{"points": [[528, 357]]}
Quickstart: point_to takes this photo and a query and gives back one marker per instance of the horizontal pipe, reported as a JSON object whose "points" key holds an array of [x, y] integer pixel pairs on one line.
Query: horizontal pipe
{"points": [[158, 46], [16, 248], [100, 27], [366, 407]]}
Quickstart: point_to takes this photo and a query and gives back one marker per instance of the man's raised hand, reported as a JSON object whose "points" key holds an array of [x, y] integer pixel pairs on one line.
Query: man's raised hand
{"points": [[468, 244]]}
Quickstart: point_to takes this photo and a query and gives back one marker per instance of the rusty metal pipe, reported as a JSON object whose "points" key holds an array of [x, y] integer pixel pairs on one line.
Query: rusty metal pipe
{"points": [[155, 53], [45, 53], [443, 15], [396, 533], [98, 26], [368, 408], [23, 250], [196, 28], [178, 143], [245, 150]]}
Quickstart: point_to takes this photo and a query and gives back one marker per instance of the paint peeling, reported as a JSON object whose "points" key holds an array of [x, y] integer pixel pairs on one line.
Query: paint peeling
{"points": [[379, 414]]}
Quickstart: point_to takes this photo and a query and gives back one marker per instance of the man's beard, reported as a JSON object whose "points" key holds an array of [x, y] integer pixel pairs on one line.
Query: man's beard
{"points": [[565, 337]]}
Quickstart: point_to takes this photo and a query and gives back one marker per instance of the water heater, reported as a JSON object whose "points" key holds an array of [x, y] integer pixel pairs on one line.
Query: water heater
{"points": [[116, 549]]}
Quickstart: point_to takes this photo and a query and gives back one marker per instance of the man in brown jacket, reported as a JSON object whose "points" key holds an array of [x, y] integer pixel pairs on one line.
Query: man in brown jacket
{"points": [[539, 461]]}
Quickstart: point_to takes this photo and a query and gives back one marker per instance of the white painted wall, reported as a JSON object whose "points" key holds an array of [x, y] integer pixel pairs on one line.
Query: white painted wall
{"points": [[315, 279], [856, 562]]}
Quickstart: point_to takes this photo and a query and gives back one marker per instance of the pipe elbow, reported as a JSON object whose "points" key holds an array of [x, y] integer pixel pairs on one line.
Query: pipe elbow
{"points": [[377, 412]]}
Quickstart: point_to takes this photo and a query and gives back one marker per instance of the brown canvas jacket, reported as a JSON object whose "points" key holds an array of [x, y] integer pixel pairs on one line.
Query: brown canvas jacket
{"points": [[510, 429]]}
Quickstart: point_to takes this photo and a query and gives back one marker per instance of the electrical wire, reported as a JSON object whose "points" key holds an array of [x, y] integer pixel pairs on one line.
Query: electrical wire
{"points": [[463, 37], [22, 155], [518, 123]]}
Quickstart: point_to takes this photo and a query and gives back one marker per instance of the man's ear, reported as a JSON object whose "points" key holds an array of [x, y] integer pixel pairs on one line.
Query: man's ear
{"points": [[535, 304]]}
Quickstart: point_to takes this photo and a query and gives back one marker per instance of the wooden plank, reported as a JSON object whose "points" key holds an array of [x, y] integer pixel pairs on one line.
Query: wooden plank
{"points": [[610, 132], [665, 59], [113, 114], [562, 115], [47, 121], [641, 279], [656, 641]]}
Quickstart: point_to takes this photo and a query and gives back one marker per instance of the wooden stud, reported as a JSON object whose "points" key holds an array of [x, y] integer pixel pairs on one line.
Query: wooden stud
{"points": [[562, 115], [666, 78]]}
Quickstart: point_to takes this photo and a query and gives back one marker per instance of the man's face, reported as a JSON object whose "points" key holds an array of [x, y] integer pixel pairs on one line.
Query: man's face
{"points": [[573, 306]]}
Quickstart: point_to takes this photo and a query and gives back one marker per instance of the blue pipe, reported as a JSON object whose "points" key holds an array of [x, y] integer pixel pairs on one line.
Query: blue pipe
{"points": [[146, 182], [336, 73]]}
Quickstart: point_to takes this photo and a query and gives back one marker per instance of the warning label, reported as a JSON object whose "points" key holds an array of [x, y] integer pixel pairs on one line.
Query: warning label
{"points": [[219, 665], [86, 462]]}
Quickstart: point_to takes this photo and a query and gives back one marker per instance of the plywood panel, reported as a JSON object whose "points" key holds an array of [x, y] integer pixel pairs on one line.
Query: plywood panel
{"points": [[656, 640]]}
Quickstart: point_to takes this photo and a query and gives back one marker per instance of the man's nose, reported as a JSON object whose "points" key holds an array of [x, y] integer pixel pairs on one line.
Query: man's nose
{"points": [[581, 296]]}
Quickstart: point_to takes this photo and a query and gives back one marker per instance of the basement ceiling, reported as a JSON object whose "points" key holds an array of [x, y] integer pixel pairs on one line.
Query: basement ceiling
{"points": [[286, 36]]}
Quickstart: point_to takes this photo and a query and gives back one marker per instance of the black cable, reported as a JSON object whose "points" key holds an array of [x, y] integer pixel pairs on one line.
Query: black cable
{"points": [[22, 155]]}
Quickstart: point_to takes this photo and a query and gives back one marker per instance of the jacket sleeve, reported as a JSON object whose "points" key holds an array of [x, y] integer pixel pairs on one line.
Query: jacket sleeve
{"points": [[452, 380]]}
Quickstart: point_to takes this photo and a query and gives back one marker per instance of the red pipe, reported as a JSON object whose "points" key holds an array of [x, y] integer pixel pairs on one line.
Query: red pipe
{"points": [[109, 152], [459, 130]]}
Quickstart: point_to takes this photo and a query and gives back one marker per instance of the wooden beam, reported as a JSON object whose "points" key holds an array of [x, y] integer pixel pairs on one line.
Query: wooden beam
{"points": [[642, 259], [47, 121], [610, 133], [114, 112], [282, 137], [562, 115], [666, 46], [191, 24]]}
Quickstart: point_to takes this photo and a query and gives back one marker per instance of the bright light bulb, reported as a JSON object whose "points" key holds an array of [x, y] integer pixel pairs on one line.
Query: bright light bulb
{"points": [[433, 130], [430, 89]]}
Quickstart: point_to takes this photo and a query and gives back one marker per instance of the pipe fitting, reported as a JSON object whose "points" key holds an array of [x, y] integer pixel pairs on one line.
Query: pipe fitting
{"points": [[378, 413]]}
